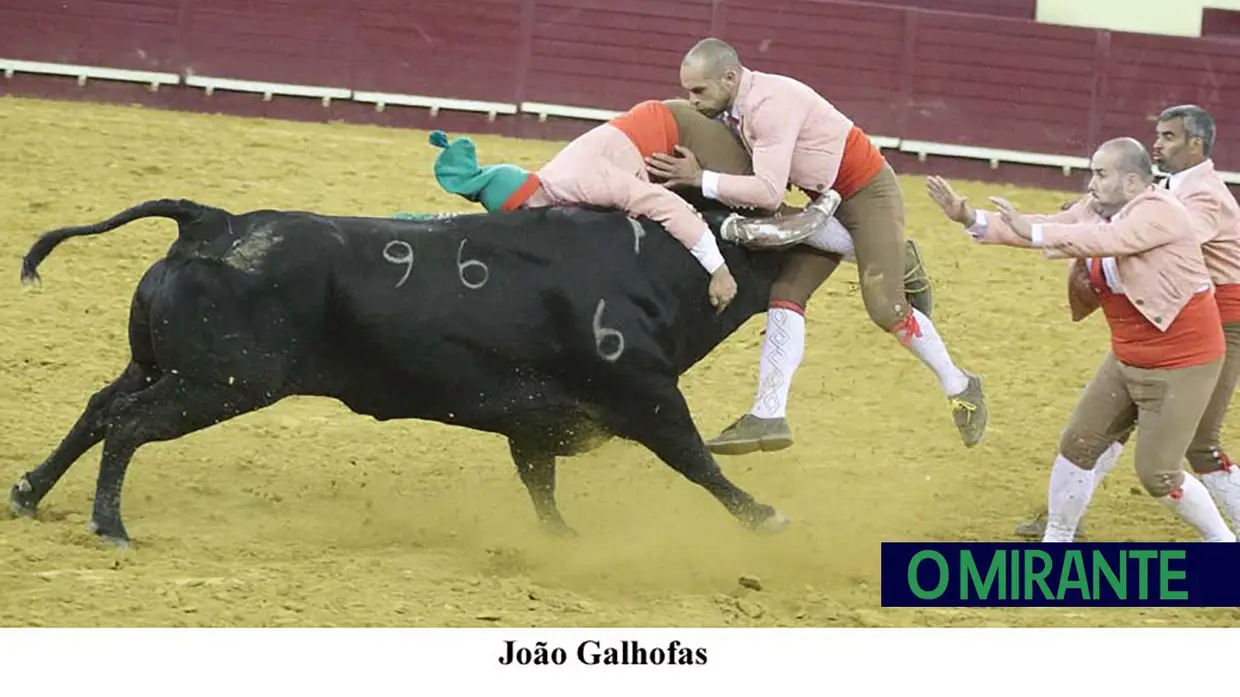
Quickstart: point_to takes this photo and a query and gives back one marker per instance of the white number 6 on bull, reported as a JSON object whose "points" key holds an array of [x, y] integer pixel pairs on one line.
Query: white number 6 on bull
{"points": [[406, 257], [602, 334], [460, 269]]}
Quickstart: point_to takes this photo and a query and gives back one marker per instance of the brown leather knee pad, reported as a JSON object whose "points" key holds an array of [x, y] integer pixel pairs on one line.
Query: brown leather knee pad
{"points": [[1207, 460], [1160, 483], [1082, 449], [887, 313]]}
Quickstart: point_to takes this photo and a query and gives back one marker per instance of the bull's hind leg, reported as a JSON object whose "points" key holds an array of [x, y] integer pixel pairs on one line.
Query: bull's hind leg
{"points": [[90, 428], [658, 418], [173, 407], [536, 466]]}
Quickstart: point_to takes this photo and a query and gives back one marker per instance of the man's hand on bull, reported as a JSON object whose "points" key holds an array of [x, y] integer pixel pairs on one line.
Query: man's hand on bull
{"points": [[722, 288], [680, 169]]}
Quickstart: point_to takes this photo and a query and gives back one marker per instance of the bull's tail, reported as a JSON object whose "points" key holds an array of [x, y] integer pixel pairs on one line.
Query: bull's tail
{"points": [[182, 211]]}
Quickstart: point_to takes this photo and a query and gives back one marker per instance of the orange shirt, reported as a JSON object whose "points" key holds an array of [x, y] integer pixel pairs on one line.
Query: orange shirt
{"points": [[651, 127], [1195, 337], [1228, 298], [862, 162], [522, 194]]}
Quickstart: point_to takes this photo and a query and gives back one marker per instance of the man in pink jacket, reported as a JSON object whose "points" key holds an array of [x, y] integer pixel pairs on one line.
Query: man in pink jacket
{"points": [[1144, 262], [1183, 144], [796, 137]]}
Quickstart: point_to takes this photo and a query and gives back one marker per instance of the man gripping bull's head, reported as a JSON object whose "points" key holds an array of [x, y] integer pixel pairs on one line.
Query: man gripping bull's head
{"points": [[669, 127], [798, 138]]}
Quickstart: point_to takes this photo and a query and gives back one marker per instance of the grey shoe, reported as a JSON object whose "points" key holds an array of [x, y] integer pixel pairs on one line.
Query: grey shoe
{"points": [[969, 411], [917, 286], [750, 434], [1034, 528]]}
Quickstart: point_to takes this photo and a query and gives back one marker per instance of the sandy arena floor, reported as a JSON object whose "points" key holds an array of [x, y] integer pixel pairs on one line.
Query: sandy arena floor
{"points": [[307, 514]]}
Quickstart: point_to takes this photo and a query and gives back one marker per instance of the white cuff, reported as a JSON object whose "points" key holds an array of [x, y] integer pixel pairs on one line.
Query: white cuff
{"points": [[706, 251], [1035, 237], [710, 185], [980, 225]]}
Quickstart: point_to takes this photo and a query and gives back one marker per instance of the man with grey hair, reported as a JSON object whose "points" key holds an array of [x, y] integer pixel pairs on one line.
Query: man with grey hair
{"points": [[1183, 143], [1145, 264], [798, 138]]}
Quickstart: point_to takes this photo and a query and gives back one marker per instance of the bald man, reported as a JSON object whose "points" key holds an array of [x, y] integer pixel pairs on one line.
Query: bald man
{"points": [[1183, 144], [797, 137], [1144, 262]]}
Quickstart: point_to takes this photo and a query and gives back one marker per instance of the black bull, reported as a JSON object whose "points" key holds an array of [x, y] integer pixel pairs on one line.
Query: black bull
{"points": [[555, 327]]}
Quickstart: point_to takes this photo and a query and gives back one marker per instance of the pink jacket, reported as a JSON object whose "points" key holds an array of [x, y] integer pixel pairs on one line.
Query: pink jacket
{"points": [[1216, 219], [1082, 300], [603, 167], [794, 135], [1158, 259], [995, 231]]}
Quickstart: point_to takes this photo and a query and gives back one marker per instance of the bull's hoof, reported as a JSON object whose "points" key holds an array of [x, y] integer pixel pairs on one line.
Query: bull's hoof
{"points": [[20, 502], [117, 542], [558, 528], [776, 522], [113, 534]]}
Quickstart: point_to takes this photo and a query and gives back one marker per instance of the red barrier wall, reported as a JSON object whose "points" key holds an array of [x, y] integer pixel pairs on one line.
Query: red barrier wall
{"points": [[897, 68]]}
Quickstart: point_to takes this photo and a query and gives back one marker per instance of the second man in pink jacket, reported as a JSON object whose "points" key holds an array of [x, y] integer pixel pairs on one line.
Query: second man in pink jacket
{"points": [[798, 138]]}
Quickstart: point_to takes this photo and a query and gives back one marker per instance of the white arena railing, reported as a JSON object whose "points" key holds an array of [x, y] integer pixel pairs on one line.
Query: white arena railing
{"points": [[382, 100]]}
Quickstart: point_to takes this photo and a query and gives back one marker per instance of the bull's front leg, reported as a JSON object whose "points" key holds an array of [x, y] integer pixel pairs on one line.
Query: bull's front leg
{"points": [[536, 466], [686, 453], [653, 412]]}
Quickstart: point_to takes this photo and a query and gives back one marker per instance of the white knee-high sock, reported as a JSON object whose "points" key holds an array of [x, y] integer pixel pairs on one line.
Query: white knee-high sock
{"points": [[1106, 462], [833, 237], [1224, 485], [924, 341], [1192, 502], [782, 350], [1067, 498]]}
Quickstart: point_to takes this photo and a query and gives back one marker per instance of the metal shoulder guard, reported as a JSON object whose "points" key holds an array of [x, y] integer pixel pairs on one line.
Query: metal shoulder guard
{"points": [[775, 232]]}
